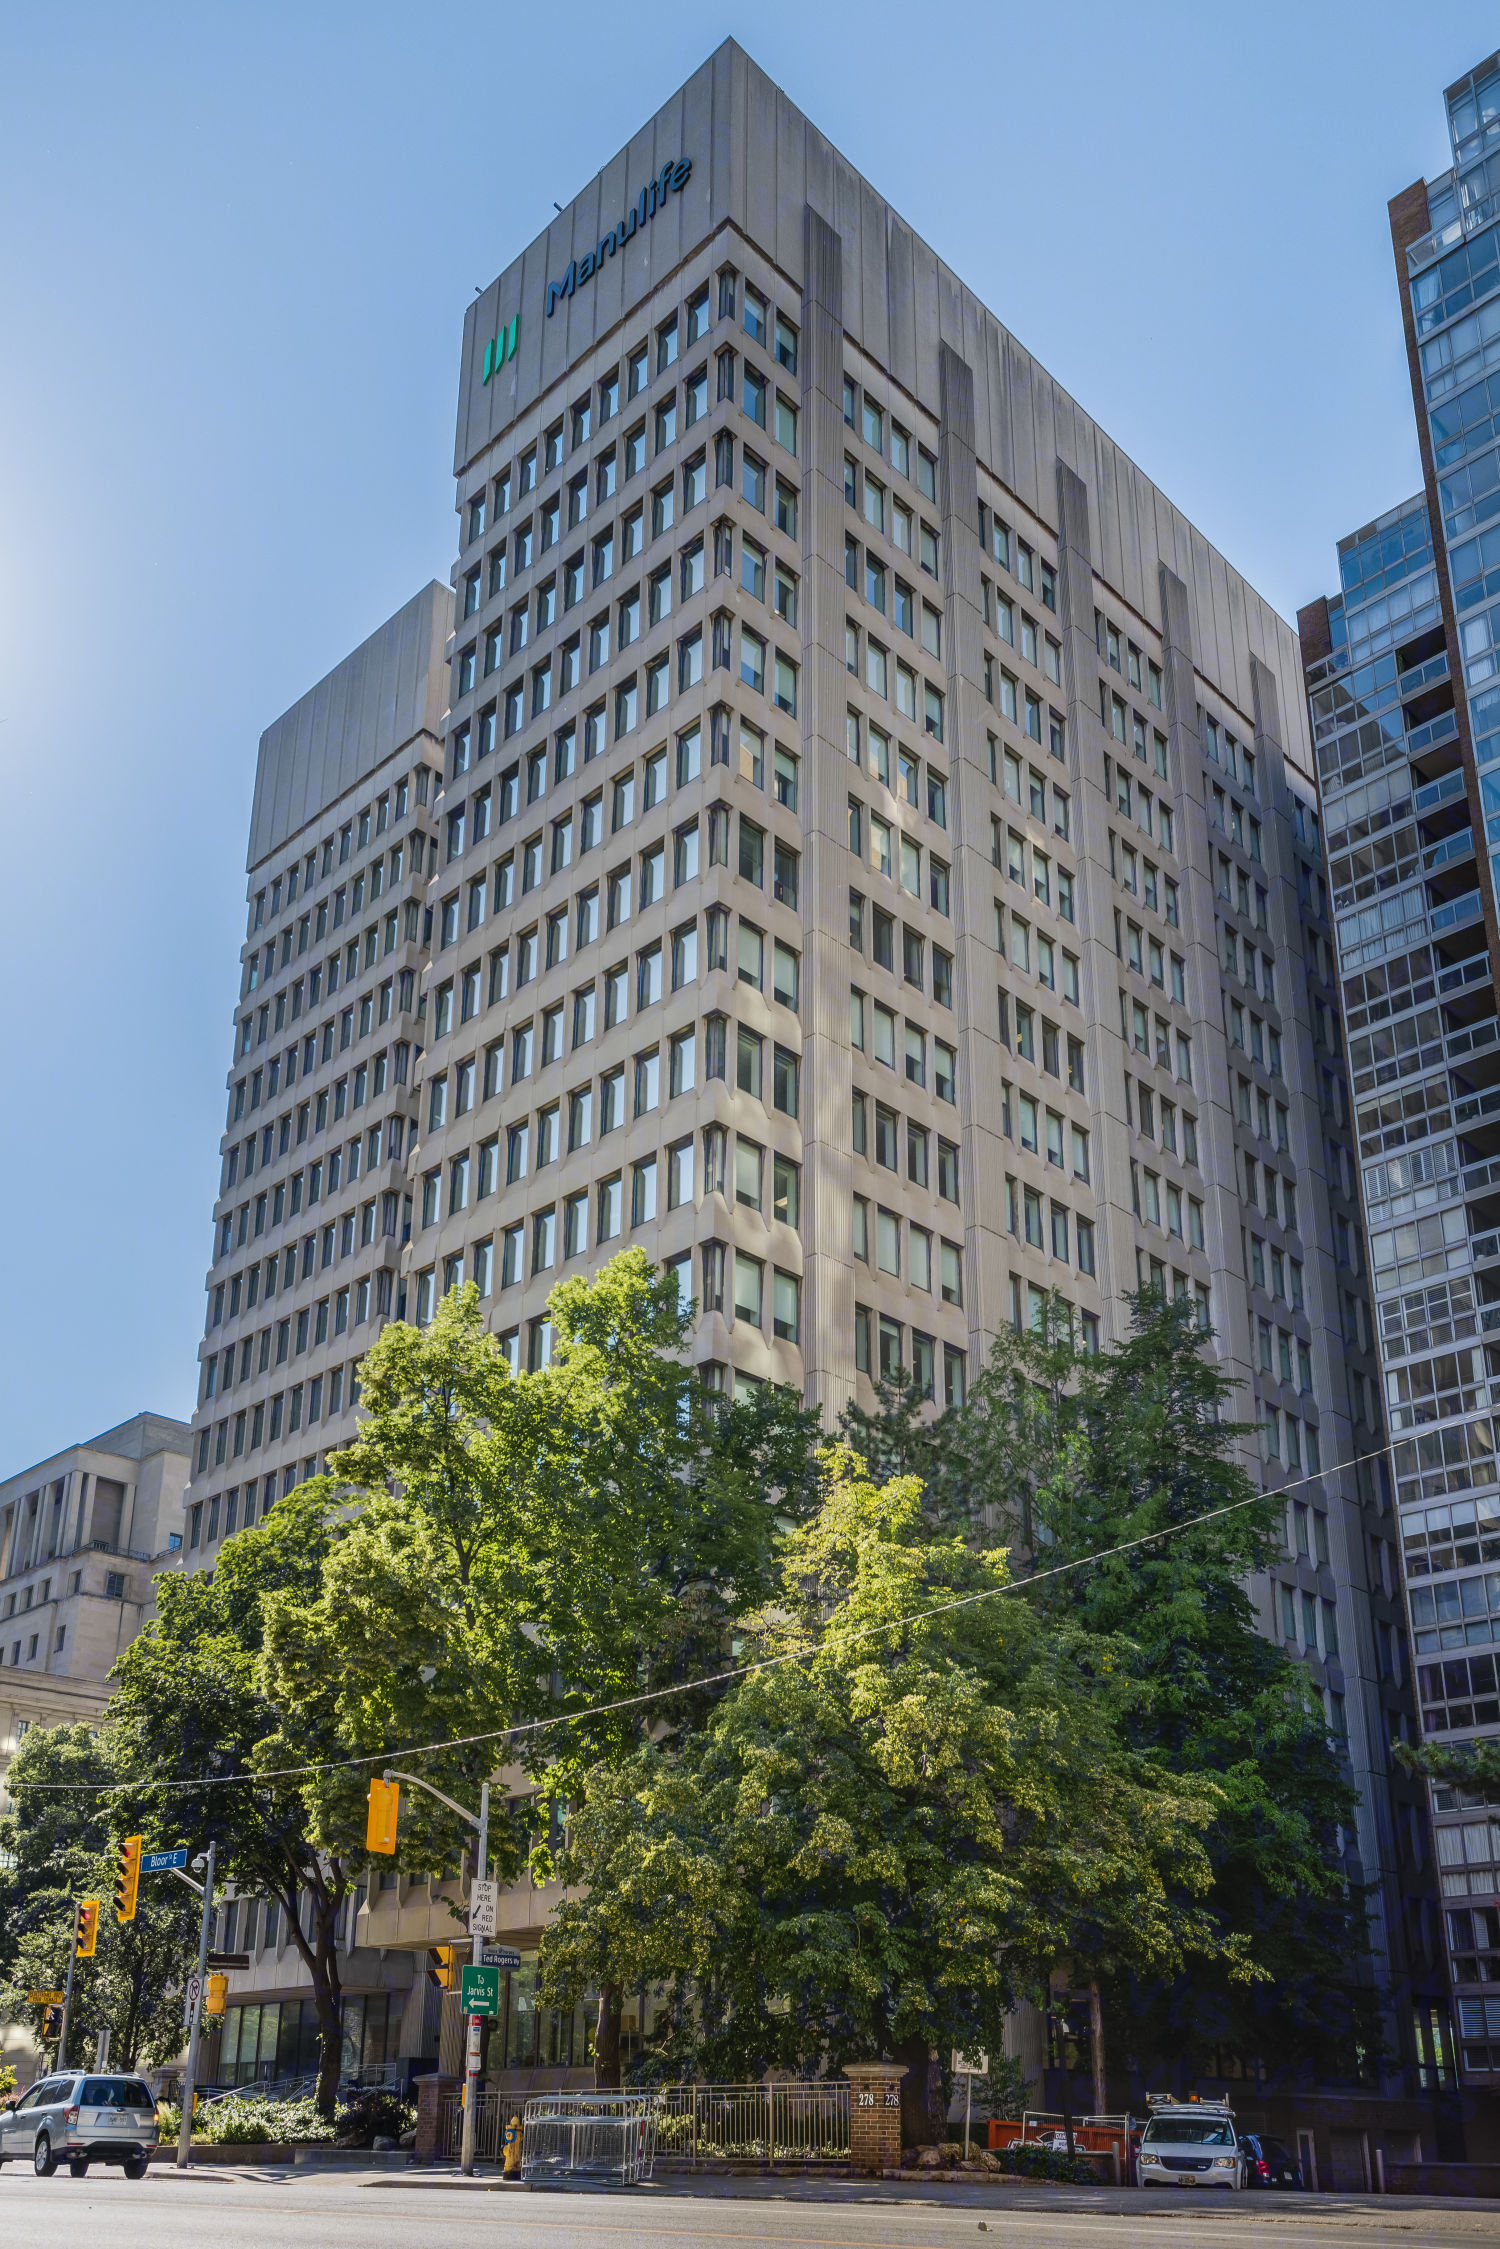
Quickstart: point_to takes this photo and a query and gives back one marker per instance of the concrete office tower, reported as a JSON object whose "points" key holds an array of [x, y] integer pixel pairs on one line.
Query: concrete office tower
{"points": [[1405, 697], [878, 870], [312, 1207], [79, 1535]]}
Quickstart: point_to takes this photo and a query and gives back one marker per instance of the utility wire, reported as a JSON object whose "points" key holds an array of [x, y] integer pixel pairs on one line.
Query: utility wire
{"points": [[531, 1726]]}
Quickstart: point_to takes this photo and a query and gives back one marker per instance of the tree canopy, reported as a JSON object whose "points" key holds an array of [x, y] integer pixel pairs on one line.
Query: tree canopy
{"points": [[883, 1842]]}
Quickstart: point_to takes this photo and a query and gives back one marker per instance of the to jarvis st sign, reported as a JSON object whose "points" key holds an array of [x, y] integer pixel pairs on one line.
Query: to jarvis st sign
{"points": [[674, 174]]}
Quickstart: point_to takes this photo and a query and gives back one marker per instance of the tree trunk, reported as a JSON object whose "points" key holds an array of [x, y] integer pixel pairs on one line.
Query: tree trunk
{"points": [[1060, 2017], [1096, 2049], [607, 2041], [924, 2121], [328, 1995], [320, 1954]]}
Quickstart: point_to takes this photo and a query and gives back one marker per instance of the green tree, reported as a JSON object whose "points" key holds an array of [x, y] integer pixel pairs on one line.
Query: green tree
{"points": [[883, 1845], [522, 1548], [204, 1745], [60, 1846], [1071, 1456]]}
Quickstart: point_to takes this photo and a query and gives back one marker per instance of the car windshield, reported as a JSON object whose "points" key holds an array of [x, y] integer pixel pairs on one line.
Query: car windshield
{"points": [[115, 2092], [1189, 2131]]}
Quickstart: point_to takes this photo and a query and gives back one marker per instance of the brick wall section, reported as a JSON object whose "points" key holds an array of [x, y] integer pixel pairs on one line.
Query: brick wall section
{"points": [[430, 2091], [875, 2116]]}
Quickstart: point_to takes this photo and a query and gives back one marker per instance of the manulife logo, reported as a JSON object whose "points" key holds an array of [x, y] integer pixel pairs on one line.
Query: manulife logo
{"points": [[500, 348]]}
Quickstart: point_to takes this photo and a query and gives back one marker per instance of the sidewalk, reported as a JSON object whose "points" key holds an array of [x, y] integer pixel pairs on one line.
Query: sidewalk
{"points": [[1400, 2215], [1405, 2218]]}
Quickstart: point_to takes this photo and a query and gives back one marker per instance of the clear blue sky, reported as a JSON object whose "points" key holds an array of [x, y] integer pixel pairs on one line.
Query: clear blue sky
{"points": [[238, 243]]}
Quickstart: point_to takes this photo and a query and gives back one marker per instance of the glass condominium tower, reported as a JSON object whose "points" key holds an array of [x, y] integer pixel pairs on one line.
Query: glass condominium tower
{"points": [[1403, 679], [878, 866]]}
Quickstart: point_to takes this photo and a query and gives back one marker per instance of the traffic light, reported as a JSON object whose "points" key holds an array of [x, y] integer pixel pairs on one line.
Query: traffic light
{"points": [[88, 1928], [380, 1827], [447, 1965], [128, 1880], [52, 2023], [218, 1995]]}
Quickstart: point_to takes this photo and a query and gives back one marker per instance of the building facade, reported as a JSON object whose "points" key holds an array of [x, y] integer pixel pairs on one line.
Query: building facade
{"points": [[81, 1535], [1402, 678], [313, 1206], [320, 1097], [845, 830], [879, 868]]}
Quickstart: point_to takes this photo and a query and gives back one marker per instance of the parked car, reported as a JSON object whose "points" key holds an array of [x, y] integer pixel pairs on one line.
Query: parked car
{"points": [[1269, 2162], [1190, 2145], [79, 2120]]}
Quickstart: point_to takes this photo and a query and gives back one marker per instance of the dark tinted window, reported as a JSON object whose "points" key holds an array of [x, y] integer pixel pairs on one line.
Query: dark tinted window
{"points": [[115, 2092], [1189, 2131]]}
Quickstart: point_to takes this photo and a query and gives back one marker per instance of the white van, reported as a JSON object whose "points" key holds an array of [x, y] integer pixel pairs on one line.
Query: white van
{"points": [[1190, 2144]]}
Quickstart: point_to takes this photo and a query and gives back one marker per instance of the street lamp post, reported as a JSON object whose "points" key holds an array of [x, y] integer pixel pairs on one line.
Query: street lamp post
{"points": [[195, 2017], [481, 1822], [67, 2008]]}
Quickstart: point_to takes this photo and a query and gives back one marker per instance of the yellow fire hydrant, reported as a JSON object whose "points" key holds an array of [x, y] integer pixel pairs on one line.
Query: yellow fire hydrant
{"points": [[512, 2146]]}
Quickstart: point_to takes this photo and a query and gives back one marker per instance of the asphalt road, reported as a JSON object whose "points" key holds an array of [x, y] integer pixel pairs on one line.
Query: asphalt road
{"points": [[269, 2211]]}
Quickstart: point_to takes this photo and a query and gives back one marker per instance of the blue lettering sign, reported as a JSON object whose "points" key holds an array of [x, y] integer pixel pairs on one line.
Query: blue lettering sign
{"points": [[674, 176]]}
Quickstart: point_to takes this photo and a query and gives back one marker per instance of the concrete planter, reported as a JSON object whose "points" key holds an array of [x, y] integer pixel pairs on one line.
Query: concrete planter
{"points": [[246, 2151], [320, 2156]]}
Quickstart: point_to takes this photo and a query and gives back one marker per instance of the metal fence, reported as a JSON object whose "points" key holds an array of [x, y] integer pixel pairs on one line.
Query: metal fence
{"points": [[798, 2121], [492, 2107], [605, 2136]]}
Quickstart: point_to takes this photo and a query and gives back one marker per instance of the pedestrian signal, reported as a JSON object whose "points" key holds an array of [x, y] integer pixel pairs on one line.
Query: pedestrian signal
{"points": [[380, 1827], [218, 1995], [128, 1880], [88, 1929]]}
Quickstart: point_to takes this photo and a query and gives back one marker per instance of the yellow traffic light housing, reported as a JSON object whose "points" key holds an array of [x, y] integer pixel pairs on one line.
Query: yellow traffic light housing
{"points": [[128, 1880], [218, 1995], [380, 1826], [88, 1929], [447, 1965]]}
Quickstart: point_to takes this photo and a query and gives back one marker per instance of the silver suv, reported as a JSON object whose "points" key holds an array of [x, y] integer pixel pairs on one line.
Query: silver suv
{"points": [[80, 2120]]}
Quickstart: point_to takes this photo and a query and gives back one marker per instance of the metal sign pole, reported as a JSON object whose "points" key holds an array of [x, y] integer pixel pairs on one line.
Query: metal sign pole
{"points": [[67, 2013], [471, 2030], [185, 2130]]}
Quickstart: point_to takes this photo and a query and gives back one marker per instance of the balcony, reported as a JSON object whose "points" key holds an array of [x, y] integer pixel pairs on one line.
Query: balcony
{"points": [[1422, 676], [1459, 845], [1439, 792], [1456, 912], [1443, 728]]}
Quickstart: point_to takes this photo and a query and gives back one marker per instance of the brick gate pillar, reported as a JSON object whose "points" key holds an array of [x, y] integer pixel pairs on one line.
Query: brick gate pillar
{"points": [[429, 2092], [875, 2116]]}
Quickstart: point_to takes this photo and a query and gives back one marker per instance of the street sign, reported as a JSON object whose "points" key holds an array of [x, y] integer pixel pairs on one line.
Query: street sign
{"points": [[484, 1908], [970, 2065], [499, 1956], [194, 1992], [162, 1862], [475, 2045], [479, 1991], [229, 1960], [44, 1998]]}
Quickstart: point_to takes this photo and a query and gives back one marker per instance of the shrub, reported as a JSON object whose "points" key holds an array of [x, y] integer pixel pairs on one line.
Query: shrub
{"points": [[371, 2114], [245, 2120], [1026, 2159]]}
